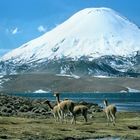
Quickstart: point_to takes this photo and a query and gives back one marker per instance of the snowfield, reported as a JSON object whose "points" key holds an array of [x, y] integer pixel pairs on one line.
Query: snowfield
{"points": [[41, 91]]}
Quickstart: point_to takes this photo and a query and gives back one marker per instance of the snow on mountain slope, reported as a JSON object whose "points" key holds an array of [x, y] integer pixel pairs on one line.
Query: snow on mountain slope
{"points": [[92, 32]]}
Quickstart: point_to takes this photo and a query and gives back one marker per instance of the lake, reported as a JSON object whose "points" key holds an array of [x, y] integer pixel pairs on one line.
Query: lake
{"points": [[123, 101]]}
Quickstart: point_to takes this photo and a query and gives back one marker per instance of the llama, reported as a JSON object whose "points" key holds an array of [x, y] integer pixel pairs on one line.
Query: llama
{"points": [[55, 110], [110, 111], [65, 106], [80, 109]]}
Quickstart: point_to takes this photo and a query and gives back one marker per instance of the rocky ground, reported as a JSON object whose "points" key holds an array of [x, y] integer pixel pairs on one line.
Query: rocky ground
{"points": [[31, 119], [25, 107]]}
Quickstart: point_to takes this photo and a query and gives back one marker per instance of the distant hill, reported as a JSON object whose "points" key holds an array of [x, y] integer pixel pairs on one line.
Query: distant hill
{"points": [[46, 82]]}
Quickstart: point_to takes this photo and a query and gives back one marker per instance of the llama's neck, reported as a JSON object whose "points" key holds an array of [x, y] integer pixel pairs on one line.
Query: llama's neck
{"points": [[51, 107], [106, 103], [58, 99]]}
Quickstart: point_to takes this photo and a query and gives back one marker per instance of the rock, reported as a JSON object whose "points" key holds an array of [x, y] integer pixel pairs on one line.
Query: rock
{"points": [[4, 109], [24, 108], [4, 137], [95, 109], [69, 138], [133, 127]]}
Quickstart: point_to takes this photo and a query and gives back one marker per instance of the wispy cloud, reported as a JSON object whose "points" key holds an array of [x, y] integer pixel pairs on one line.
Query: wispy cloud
{"points": [[15, 31], [41, 28]]}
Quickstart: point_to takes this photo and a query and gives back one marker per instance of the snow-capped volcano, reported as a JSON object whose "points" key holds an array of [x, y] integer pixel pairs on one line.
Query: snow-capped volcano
{"points": [[92, 33]]}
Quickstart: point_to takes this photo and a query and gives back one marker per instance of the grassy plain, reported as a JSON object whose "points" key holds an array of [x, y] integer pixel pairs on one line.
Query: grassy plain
{"points": [[24, 128]]}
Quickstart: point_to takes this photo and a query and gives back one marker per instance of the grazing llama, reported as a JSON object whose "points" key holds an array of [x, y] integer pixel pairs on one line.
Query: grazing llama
{"points": [[110, 111], [80, 109], [55, 110]]}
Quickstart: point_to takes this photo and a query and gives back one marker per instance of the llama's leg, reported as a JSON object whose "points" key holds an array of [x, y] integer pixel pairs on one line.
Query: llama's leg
{"points": [[65, 117], [55, 117], [73, 119], [108, 118], [85, 116], [61, 116], [113, 118]]}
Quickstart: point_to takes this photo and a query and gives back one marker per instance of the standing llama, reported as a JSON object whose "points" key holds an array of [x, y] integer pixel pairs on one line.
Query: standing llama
{"points": [[65, 106], [55, 110], [110, 111]]}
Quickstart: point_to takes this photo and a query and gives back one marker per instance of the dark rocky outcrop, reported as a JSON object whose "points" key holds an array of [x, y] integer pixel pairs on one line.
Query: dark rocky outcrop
{"points": [[11, 106]]}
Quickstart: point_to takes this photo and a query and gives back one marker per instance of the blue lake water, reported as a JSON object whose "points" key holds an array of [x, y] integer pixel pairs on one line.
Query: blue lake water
{"points": [[123, 101]]}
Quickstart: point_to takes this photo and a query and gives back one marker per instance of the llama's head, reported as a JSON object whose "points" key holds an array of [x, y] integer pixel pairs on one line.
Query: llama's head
{"points": [[56, 94], [46, 102], [105, 102]]}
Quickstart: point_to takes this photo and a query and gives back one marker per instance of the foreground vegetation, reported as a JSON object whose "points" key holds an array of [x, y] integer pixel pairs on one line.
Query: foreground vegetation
{"points": [[47, 128], [26, 119]]}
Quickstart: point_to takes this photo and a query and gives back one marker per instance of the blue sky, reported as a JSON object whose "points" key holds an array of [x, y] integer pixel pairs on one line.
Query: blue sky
{"points": [[24, 20]]}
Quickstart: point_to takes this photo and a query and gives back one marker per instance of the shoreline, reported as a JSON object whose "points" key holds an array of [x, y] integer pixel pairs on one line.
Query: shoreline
{"points": [[69, 92]]}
